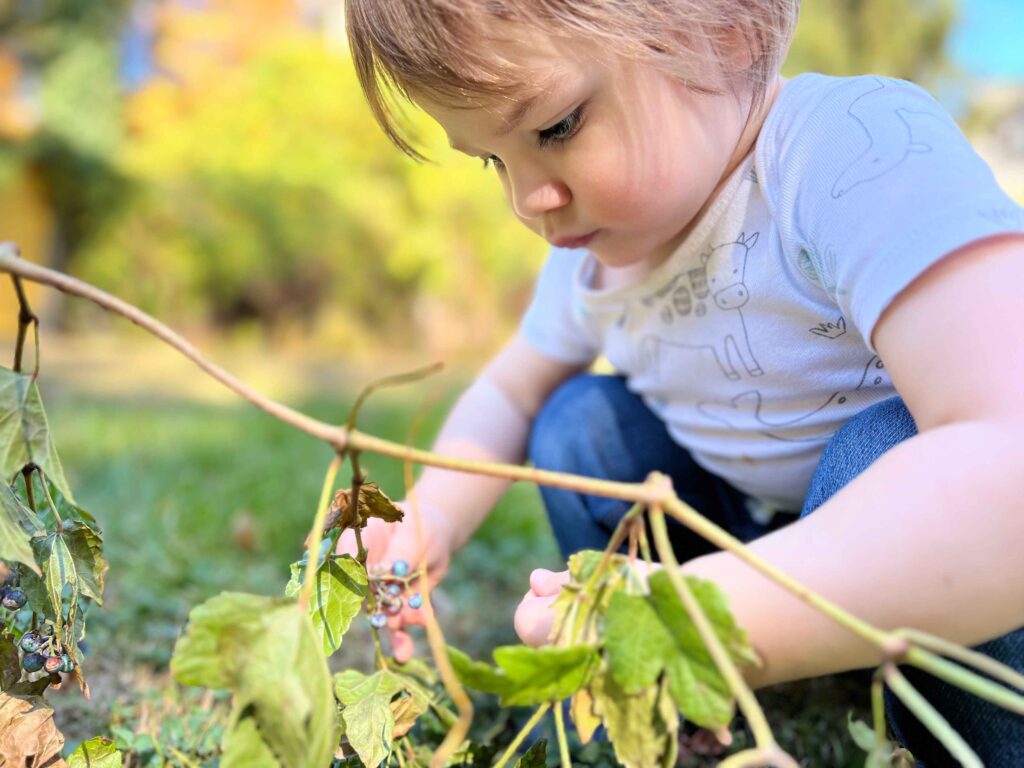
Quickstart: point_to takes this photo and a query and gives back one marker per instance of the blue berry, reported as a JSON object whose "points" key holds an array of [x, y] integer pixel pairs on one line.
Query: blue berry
{"points": [[394, 589], [30, 642], [13, 598], [66, 664], [33, 662], [400, 568], [393, 607], [378, 621], [415, 600]]}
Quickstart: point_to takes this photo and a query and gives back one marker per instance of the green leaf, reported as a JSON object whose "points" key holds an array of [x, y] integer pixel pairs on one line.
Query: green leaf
{"points": [[16, 528], [243, 747], [341, 586], [95, 753], [527, 676], [536, 756], [700, 692], [863, 734], [24, 431], [265, 650], [641, 728], [715, 605], [58, 572], [10, 663], [86, 548], [636, 643], [366, 712]]}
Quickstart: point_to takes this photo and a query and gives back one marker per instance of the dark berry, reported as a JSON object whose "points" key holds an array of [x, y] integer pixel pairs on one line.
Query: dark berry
{"points": [[415, 600], [33, 662], [393, 607], [378, 621], [13, 598], [52, 663], [400, 568], [394, 589], [66, 664], [30, 642]]}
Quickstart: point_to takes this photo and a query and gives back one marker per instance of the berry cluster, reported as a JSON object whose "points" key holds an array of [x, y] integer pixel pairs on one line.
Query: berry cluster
{"points": [[11, 596], [43, 651], [388, 588]]}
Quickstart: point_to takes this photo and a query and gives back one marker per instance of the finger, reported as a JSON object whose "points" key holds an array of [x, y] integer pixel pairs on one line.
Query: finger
{"points": [[534, 619], [544, 582], [402, 646]]}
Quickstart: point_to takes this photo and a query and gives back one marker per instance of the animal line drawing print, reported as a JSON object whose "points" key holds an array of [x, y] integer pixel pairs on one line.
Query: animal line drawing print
{"points": [[892, 132], [724, 333], [745, 409]]}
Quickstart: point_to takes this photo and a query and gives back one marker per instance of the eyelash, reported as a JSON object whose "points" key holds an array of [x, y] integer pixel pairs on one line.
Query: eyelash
{"points": [[556, 135]]}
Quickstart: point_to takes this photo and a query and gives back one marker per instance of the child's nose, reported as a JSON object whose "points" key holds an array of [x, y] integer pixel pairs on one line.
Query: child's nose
{"points": [[532, 197]]}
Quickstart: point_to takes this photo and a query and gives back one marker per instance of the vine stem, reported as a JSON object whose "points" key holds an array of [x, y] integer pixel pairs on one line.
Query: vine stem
{"points": [[563, 742], [930, 717], [530, 724], [26, 317], [965, 656], [316, 534], [748, 704], [878, 706]]}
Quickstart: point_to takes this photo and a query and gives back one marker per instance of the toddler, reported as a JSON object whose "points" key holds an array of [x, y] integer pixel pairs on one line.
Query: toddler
{"points": [[807, 289]]}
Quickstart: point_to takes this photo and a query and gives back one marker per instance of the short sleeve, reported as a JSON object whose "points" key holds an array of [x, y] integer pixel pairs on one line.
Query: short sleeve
{"points": [[553, 322], [871, 182]]}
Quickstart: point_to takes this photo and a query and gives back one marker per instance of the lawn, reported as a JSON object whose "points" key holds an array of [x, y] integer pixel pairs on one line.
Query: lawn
{"points": [[198, 493]]}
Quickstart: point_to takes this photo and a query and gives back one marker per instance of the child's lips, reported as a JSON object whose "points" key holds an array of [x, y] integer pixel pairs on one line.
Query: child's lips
{"points": [[576, 241]]}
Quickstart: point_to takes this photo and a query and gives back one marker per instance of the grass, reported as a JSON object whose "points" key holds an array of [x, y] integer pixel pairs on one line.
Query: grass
{"points": [[197, 495]]}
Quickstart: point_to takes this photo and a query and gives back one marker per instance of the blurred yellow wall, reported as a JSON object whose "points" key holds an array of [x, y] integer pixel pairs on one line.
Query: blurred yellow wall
{"points": [[25, 219]]}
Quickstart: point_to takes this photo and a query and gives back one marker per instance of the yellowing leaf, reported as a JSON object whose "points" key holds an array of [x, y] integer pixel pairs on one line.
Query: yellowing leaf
{"points": [[95, 753]]}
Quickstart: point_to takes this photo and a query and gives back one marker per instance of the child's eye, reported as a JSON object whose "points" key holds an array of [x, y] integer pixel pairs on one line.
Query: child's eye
{"points": [[563, 130]]}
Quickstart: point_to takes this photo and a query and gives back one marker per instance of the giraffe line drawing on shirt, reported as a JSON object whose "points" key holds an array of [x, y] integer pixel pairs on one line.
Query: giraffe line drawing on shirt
{"points": [[890, 130], [746, 407], [725, 333]]}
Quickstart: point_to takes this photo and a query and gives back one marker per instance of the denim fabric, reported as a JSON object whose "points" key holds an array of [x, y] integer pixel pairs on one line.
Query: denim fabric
{"points": [[593, 425]]}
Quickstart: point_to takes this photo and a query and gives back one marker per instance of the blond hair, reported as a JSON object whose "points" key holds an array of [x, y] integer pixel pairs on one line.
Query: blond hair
{"points": [[438, 48]]}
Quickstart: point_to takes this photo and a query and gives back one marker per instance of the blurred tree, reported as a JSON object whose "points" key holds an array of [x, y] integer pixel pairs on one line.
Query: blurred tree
{"points": [[898, 38], [64, 53], [268, 194]]}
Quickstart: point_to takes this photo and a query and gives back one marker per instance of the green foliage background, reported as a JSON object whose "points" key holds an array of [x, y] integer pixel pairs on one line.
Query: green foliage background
{"points": [[265, 194]]}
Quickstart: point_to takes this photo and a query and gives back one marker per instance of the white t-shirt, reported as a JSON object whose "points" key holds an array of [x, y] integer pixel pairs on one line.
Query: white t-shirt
{"points": [[752, 341]]}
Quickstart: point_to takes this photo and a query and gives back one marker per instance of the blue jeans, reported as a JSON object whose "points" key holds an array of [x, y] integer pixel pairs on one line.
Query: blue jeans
{"points": [[592, 425]]}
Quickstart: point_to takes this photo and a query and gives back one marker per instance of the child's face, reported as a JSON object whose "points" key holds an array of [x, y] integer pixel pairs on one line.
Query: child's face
{"points": [[612, 155]]}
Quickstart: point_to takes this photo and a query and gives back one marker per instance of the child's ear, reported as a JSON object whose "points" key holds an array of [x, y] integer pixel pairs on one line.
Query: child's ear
{"points": [[738, 50]]}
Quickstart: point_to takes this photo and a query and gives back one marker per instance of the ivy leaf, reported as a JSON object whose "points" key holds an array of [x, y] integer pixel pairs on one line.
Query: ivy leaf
{"points": [[265, 650], [95, 753], [17, 523], [373, 502], [694, 680], [25, 432], [636, 643], [536, 756], [243, 747], [341, 587], [58, 571], [641, 728], [527, 676], [86, 548], [28, 735], [10, 663], [366, 712]]}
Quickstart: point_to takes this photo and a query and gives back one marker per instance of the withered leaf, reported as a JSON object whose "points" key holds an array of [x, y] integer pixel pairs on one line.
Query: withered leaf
{"points": [[28, 735], [373, 502]]}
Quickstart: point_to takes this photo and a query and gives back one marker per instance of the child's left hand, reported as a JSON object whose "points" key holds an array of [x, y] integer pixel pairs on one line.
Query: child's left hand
{"points": [[534, 617]]}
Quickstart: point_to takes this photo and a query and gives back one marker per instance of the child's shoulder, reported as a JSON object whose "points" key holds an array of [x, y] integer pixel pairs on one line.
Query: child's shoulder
{"points": [[824, 103]]}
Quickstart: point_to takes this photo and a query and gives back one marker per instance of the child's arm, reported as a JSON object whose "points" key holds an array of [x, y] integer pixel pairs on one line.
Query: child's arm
{"points": [[490, 422], [930, 535]]}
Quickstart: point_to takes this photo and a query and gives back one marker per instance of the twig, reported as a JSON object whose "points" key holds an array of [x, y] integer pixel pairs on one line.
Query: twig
{"points": [[530, 724], [930, 717], [965, 656], [26, 317]]}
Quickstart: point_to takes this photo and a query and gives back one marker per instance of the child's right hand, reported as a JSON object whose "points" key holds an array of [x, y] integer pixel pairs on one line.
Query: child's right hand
{"points": [[415, 544]]}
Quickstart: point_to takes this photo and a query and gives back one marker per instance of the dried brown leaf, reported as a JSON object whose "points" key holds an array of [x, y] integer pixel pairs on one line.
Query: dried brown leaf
{"points": [[28, 735]]}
